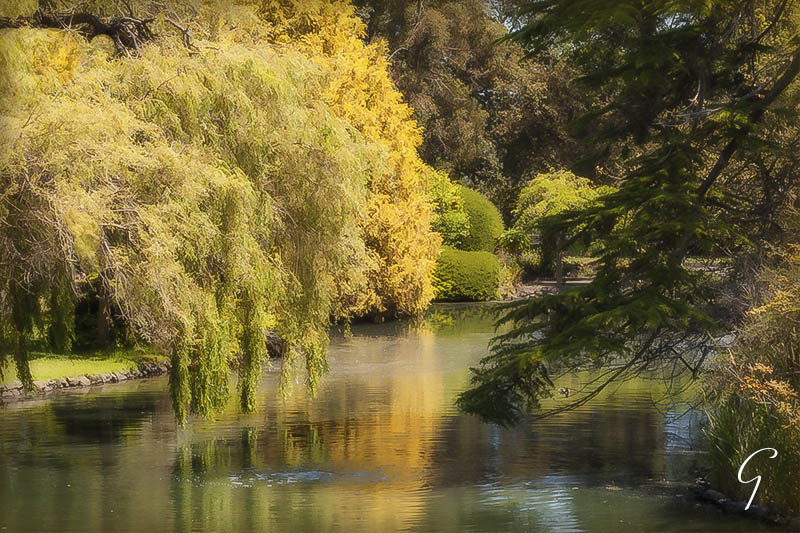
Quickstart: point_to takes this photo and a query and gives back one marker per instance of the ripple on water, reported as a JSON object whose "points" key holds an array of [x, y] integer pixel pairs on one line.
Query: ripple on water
{"points": [[303, 477]]}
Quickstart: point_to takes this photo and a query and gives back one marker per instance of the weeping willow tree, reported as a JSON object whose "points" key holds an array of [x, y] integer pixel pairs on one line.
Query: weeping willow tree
{"points": [[221, 171]]}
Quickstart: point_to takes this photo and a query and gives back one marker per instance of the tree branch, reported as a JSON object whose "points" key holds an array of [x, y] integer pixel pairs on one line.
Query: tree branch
{"points": [[411, 34], [724, 158], [127, 32]]}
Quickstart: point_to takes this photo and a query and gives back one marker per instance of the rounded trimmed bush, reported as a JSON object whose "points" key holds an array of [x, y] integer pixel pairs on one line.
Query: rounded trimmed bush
{"points": [[461, 275], [485, 221]]}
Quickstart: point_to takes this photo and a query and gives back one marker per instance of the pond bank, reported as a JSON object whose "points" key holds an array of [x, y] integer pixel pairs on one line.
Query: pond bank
{"points": [[13, 391], [539, 287], [703, 492]]}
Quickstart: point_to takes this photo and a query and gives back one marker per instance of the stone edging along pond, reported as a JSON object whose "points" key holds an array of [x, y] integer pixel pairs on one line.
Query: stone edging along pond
{"points": [[705, 493], [13, 391]]}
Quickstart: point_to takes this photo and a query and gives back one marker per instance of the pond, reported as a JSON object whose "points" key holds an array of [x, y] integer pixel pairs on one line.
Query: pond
{"points": [[381, 447]]}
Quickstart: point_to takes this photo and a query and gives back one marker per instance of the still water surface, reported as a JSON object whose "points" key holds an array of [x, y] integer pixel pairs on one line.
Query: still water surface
{"points": [[381, 447]]}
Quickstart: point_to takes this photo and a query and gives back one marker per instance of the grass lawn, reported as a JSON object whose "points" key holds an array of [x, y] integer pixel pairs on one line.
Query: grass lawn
{"points": [[46, 366]]}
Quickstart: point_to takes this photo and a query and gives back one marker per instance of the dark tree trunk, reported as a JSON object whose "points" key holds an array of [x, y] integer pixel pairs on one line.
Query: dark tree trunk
{"points": [[127, 32], [276, 345], [103, 316]]}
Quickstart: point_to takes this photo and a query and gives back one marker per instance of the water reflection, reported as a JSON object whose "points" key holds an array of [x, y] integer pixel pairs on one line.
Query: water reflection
{"points": [[106, 420], [380, 448]]}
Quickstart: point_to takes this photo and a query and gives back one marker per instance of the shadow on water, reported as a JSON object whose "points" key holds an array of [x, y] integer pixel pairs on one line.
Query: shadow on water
{"points": [[381, 447], [105, 419], [446, 319]]}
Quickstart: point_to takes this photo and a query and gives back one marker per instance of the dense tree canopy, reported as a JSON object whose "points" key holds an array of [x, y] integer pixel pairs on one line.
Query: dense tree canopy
{"points": [[489, 119], [700, 90], [246, 170]]}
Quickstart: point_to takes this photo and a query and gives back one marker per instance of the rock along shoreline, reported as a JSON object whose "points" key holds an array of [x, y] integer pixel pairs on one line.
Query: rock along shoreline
{"points": [[14, 392], [705, 493]]}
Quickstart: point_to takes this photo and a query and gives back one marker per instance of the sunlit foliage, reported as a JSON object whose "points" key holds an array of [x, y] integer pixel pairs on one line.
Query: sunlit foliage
{"points": [[467, 275], [359, 90], [452, 221], [544, 196], [755, 393], [264, 179]]}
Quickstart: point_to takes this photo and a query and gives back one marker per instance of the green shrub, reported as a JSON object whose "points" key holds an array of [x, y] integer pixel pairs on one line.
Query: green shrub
{"points": [[485, 221], [510, 275], [451, 220], [463, 275], [544, 196]]}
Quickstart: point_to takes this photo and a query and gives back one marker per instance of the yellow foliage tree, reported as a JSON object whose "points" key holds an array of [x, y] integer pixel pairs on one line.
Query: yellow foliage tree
{"points": [[265, 178], [361, 92]]}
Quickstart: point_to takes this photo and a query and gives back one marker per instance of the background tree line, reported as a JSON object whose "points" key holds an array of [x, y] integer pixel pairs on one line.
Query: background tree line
{"points": [[489, 119]]}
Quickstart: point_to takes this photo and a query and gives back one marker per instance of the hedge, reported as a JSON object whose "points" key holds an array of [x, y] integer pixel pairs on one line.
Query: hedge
{"points": [[485, 221], [466, 276]]}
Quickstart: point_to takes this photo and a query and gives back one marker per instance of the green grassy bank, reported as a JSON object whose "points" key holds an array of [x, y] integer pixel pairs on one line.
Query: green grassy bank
{"points": [[46, 366]]}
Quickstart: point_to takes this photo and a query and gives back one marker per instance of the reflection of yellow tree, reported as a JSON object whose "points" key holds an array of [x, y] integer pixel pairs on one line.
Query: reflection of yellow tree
{"points": [[389, 421], [387, 425], [363, 454], [367, 443]]}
